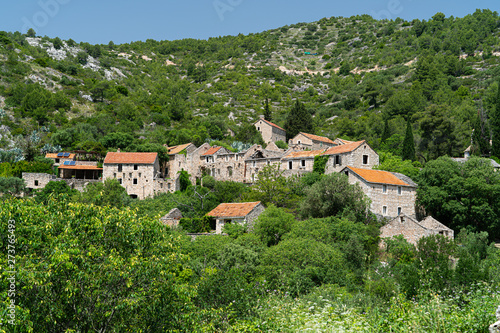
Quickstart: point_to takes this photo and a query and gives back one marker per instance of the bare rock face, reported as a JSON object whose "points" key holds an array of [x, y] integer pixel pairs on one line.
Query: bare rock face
{"points": [[495, 328]]}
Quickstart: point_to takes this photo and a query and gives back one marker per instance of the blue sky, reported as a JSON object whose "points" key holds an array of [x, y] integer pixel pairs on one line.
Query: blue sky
{"points": [[99, 21]]}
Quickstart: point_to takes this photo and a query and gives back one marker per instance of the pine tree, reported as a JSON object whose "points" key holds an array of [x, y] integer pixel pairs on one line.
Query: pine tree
{"points": [[298, 120], [409, 143], [267, 111], [480, 142], [495, 126], [386, 133]]}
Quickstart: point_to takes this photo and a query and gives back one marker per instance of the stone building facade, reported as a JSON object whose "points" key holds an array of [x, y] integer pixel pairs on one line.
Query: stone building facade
{"points": [[36, 181], [390, 196], [356, 154], [270, 132], [311, 141], [412, 230], [139, 173], [242, 213], [173, 218], [299, 162], [60, 158]]}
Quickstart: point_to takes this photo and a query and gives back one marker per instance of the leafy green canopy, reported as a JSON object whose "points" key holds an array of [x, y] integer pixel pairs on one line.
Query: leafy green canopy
{"points": [[83, 268]]}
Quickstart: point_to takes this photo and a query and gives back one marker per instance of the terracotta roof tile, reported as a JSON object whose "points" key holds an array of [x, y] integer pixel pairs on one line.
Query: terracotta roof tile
{"points": [[317, 137], [305, 153], [342, 141], [130, 158], [270, 123], [211, 151], [80, 167], [177, 149], [378, 176], [348, 147], [50, 155], [233, 209]]}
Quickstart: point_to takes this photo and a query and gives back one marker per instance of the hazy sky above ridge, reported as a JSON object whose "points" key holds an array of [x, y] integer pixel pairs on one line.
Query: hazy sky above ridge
{"points": [[98, 22]]}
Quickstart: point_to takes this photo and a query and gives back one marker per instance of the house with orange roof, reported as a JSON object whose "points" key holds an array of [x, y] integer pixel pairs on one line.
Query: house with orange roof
{"points": [[60, 158], [270, 132], [391, 194], [139, 173], [178, 159], [242, 213], [311, 141], [299, 162], [356, 154]]}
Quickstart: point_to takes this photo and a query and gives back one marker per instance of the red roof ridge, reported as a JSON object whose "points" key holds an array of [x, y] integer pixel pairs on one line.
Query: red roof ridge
{"points": [[377, 176], [130, 158], [211, 151], [317, 137], [348, 147], [237, 209]]}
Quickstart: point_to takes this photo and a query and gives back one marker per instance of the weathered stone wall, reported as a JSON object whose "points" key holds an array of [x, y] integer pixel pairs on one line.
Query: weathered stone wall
{"points": [[173, 218], [80, 184], [270, 133], [253, 215], [297, 165], [144, 177], [306, 142], [391, 199], [354, 159], [37, 181], [405, 226]]}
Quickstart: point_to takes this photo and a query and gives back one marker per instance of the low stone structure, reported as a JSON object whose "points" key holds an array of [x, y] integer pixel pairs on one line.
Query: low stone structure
{"points": [[412, 230], [35, 181], [173, 218], [246, 212], [311, 141]]}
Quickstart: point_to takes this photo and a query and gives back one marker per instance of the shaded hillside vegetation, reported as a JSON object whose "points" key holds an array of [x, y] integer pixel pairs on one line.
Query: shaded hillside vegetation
{"points": [[358, 74]]}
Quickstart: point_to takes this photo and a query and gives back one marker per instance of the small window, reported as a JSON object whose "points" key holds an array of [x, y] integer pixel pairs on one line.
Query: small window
{"points": [[57, 160], [346, 173], [298, 142], [161, 185], [114, 175], [135, 181], [119, 168], [136, 167], [236, 157], [140, 175], [338, 159], [258, 128], [365, 159], [303, 163], [290, 165], [253, 164], [400, 189], [36, 182], [384, 188], [130, 175], [168, 186], [120, 180], [399, 211], [384, 210]]}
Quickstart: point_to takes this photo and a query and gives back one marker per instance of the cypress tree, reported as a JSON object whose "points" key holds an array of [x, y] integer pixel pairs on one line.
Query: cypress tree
{"points": [[267, 111], [480, 142], [495, 126], [386, 133], [298, 120], [409, 143]]}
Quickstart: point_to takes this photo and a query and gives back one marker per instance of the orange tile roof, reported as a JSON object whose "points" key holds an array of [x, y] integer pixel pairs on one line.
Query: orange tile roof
{"points": [[233, 209], [177, 149], [304, 153], [80, 167], [317, 137], [342, 141], [212, 151], [50, 155], [270, 123], [378, 176], [348, 147], [130, 158]]}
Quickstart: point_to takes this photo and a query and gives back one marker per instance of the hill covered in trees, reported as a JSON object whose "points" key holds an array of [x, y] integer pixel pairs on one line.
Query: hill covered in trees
{"points": [[353, 74]]}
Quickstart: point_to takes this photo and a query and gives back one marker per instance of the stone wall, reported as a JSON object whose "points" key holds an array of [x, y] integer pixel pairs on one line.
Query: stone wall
{"points": [[308, 143], [299, 165], [354, 159], [270, 133], [139, 183], [253, 215], [411, 230], [79, 184], [37, 181]]}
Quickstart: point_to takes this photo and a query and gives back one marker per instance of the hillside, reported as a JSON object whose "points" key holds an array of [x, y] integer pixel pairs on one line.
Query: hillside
{"points": [[351, 73]]}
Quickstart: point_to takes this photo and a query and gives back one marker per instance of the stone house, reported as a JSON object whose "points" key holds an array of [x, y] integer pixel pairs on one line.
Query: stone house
{"points": [[139, 173], [391, 194], [412, 230], [311, 141], [299, 162], [270, 132], [243, 213], [255, 159], [60, 158], [85, 170], [36, 181], [178, 159], [356, 154], [173, 218]]}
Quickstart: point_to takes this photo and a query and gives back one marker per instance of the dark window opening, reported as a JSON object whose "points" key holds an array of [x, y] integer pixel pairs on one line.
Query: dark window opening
{"points": [[120, 168], [136, 166], [135, 181], [365, 159], [290, 165], [36, 182]]}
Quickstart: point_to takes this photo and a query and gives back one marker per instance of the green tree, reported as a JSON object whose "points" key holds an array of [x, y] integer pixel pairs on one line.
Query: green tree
{"points": [[345, 68], [12, 185], [495, 125], [333, 196], [273, 224], [320, 163], [298, 120], [184, 181], [55, 190], [387, 131], [31, 33], [107, 193], [409, 143], [267, 111], [247, 133]]}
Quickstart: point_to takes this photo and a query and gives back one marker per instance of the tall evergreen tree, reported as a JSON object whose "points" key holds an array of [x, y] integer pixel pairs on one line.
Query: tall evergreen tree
{"points": [[409, 143], [480, 142], [267, 111], [495, 126], [298, 120], [386, 133]]}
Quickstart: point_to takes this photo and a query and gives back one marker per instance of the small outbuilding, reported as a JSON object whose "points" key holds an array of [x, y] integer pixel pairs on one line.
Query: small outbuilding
{"points": [[245, 212]]}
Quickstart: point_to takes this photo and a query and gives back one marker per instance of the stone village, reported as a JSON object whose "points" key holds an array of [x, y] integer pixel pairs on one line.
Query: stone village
{"points": [[392, 195]]}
